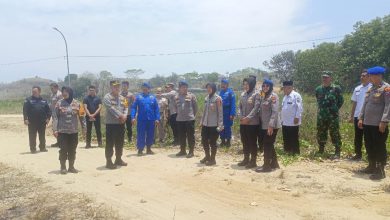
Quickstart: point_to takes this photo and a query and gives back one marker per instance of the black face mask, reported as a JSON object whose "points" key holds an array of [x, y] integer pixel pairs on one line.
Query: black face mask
{"points": [[70, 92]]}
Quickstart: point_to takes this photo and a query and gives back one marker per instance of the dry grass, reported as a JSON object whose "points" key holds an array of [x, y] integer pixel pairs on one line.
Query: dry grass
{"points": [[25, 197]]}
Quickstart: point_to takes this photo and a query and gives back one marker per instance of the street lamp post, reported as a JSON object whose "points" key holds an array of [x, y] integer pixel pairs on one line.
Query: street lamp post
{"points": [[67, 56]]}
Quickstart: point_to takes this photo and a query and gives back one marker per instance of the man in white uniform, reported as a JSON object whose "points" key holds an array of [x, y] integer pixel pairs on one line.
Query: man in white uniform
{"points": [[292, 108], [358, 96]]}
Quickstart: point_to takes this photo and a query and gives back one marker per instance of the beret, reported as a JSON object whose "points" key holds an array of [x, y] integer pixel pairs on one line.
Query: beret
{"points": [[377, 70]]}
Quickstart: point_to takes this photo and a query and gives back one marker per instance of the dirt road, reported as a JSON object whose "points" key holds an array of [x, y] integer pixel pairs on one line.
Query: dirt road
{"points": [[165, 187]]}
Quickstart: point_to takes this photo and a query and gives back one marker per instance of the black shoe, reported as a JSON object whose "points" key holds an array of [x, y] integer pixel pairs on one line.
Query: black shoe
{"points": [[100, 144], [149, 151], [181, 153], [321, 150], [120, 162], [71, 167], [379, 172], [370, 169], [33, 151], [190, 154], [244, 162], [211, 163], [54, 145], [43, 150], [336, 156], [88, 146], [357, 157], [110, 165], [251, 164], [204, 160], [63, 170], [227, 143], [223, 142], [264, 169], [140, 153]]}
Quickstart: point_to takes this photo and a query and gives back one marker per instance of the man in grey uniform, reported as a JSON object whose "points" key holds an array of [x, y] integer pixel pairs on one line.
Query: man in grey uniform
{"points": [[374, 118], [116, 116], [186, 108], [170, 95]]}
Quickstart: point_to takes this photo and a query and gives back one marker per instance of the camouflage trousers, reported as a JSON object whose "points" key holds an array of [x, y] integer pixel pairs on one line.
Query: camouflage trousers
{"points": [[332, 125]]}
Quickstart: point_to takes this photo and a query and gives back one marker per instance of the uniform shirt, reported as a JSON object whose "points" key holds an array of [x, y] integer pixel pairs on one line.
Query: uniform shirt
{"points": [[65, 117], [228, 101], [115, 107], [171, 101], [269, 111], [376, 107], [163, 106], [212, 113], [54, 98], [130, 99], [36, 110], [92, 103], [358, 96], [147, 108], [292, 107], [329, 100], [249, 107], [186, 107]]}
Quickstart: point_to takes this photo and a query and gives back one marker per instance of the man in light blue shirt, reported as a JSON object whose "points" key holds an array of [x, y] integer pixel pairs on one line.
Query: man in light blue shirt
{"points": [[358, 96]]}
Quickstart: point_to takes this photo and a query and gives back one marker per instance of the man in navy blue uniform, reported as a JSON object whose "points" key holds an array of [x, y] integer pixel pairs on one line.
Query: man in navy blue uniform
{"points": [[229, 112], [148, 116], [36, 115]]}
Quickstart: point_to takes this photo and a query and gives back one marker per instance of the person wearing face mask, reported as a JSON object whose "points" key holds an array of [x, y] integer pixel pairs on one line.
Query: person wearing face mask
{"points": [[270, 124], [211, 124], [36, 115], [249, 122], [65, 128]]}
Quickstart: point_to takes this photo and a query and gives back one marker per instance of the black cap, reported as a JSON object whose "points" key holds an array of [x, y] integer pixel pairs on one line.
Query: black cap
{"points": [[288, 83]]}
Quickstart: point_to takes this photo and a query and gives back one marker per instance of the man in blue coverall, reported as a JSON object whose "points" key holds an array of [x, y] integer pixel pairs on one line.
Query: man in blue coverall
{"points": [[148, 117], [229, 111]]}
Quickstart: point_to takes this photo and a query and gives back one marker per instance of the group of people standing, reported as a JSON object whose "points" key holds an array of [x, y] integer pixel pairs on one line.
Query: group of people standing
{"points": [[259, 112]]}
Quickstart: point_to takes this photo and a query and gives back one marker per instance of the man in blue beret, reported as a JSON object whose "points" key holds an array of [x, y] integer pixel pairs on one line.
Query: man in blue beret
{"points": [[229, 112], [145, 107], [373, 119]]}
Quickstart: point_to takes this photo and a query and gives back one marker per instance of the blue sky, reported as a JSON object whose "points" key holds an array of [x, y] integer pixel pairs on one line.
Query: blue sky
{"points": [[120, 27]]}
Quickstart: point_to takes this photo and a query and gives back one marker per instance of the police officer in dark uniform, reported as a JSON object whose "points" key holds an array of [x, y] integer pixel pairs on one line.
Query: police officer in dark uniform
{"points": [[374, 118], [36, 115]]}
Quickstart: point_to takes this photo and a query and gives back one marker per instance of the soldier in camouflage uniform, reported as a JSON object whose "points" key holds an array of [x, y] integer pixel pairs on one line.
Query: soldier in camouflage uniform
{"points": [[329, 100]]}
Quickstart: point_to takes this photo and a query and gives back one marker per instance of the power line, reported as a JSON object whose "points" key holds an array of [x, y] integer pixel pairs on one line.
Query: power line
{"points": [[180, 53], [32, 61]]}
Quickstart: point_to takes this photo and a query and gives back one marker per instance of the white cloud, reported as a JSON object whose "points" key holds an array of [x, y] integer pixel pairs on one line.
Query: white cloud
{"points": [[148, 26]]}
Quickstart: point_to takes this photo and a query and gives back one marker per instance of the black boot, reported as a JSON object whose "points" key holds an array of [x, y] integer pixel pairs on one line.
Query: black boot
{"points": [[252, 162], [182, 152], [379, 172], [206, 155], [190, 153], [370, 169], [266, 166], [110, 165], [336, 155], [212, 161], [274, 161], [120, 162], [140, 153], [71, 167], [228, 143], [223, 142], [321, 150], [63, 167], [149, 150], [245, 161]]}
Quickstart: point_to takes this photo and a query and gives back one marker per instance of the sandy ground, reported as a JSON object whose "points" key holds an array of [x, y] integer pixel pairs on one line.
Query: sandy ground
{"points": [[162, 186]]}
